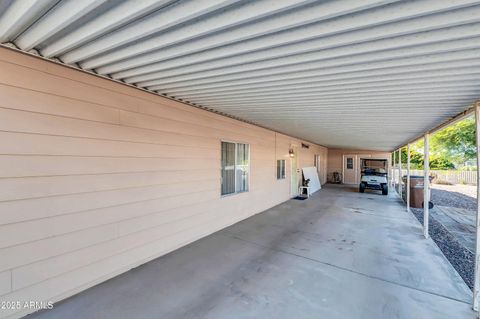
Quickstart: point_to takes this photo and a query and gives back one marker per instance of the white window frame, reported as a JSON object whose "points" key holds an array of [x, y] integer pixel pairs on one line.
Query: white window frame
{"points": [[353, 163], [235, 168], [284, 169]]}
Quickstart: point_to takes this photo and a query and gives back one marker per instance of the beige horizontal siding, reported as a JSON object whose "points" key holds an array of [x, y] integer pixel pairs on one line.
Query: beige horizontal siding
{"points": [[31, 252], [335, 157], [41, 208], [81, 278], [44, 186], [35, 144], [97, 177], [40, 165], [12, 234], [5, 282]]}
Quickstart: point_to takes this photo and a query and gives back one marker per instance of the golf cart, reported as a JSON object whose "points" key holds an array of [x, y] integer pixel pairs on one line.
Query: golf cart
{"points": [[373, 175]]}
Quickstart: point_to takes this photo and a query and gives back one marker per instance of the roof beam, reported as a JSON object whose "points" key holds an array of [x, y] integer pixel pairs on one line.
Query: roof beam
{"points": [[120, 15], [241, 13], [153, 23], [239, 57], [19, 15], [427, 61], [310, 105], [441, 76], [305, 87], [55, 21], [277, 69], [333, 28], [278, 20]]}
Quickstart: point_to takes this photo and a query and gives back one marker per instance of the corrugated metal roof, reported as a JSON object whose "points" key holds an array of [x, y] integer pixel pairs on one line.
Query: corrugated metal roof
{"points": [[364, 74]]}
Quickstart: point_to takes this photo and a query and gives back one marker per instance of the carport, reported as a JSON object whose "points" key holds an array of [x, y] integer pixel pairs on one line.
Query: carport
{"points": [[170, 135], [332, 256]]}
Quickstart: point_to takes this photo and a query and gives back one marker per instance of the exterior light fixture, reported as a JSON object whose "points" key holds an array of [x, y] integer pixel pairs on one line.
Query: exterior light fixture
{"points": [[291, 152]]}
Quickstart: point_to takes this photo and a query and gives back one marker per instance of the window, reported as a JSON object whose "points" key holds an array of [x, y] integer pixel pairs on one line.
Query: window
{"points": [[281, 169], [242, 167], [235, 167], [228, 168], [349, 163]]}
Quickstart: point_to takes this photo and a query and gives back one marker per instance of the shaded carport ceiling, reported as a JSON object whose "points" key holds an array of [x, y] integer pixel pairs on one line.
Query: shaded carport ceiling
{"points": [[348, 73]]}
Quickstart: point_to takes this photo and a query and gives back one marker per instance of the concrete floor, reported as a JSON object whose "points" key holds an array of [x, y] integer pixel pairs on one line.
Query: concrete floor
{"points": [[340, 254]]}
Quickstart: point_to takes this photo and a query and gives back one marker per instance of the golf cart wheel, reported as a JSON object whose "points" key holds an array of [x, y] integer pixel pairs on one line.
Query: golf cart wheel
{"points": [[384, 189], [361, 189]]}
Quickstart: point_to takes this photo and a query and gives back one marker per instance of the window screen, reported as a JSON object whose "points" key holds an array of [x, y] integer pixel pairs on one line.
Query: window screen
{"points": [[235, 167], [228, 168], [349, 163], [242, 166], [280, 169]]}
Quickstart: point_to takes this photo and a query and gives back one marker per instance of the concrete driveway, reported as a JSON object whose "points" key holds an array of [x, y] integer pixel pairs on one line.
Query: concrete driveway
{"points": [[340, 254]]}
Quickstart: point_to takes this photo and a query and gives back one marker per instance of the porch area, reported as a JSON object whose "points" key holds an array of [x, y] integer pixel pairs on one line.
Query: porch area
{"points": [[339, 254]]}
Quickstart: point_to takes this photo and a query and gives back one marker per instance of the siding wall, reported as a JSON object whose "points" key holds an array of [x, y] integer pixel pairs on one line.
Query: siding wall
{"points": [[97, 177], [335, 158]]}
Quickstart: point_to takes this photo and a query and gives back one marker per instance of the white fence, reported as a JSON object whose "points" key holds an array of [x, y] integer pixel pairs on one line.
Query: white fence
{"points": [[452, 177]]}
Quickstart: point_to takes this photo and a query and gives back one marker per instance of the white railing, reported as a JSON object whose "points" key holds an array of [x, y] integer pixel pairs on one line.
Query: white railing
{"points": [[452, 177]]}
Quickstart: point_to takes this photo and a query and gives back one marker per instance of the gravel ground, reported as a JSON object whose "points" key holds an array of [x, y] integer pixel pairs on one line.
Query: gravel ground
{"points": [[459, 196], [460, 257], [468, 190]]}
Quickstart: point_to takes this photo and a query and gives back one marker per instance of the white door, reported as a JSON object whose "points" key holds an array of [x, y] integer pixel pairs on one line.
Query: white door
{"points": [[294, 173], [350, 169]]}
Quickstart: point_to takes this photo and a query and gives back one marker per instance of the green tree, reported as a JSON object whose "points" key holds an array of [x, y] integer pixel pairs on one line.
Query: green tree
{"points": [[440, 163], [456, 143], [416, 157], [449, 148]]}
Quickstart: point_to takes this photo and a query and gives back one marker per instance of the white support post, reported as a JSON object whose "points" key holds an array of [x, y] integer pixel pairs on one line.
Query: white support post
{"points": [[476, 285], [390, 171], [408, 177], [426, 183], [392, 178], [400, 173], [396, 172]]}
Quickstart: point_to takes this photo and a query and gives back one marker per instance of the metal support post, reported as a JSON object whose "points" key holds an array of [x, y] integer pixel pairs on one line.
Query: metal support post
{"points": [[400, 172], [426, 184], [476, 285], [408, 177]]}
